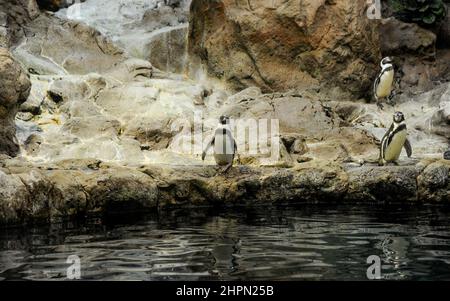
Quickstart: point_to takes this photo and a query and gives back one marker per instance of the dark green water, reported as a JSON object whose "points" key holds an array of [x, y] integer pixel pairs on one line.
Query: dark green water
{"points": [[290, 243]]}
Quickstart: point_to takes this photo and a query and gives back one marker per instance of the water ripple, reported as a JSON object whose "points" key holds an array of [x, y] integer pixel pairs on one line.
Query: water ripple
{"points": [[314, 243]]}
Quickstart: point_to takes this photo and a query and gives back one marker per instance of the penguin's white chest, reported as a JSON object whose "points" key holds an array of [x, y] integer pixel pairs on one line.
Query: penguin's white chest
{"points": [[394, 149], [384, 88], [223, 148]]}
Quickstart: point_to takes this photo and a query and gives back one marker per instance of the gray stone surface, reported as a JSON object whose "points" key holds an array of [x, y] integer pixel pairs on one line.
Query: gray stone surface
{"points": [[14, 90]]}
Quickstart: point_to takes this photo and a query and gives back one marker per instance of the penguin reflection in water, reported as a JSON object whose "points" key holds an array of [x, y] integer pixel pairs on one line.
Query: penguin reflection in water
{"points": [[224, 145], [394, 141]]}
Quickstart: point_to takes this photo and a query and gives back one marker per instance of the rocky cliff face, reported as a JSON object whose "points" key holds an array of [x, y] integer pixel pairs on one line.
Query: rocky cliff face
{"points": [[14, 90], [278, 45], [153, 30]]}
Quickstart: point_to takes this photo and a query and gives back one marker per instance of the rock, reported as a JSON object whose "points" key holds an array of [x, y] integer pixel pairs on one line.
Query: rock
{"points": [[80, 187], [13, 197], [399, 38], [116, 190], [166, 49], [55, 5], [131, 70], [154, 134], [277, 47], [440, 120], [32, 144], [89, 127], [133, 26], [68, 197], [168, 15], [49, 194], [4, 39], [173, 3], [447, 155], [69, 89], [34, 101], [295, 144], [14, 15], [14, 90], [444, 33], [56, 46], [24, 116], [387, 184], [433, 182]]}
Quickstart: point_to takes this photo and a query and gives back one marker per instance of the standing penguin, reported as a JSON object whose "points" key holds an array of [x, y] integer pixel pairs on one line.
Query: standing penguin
{"points": [[224, 144], [383, 85], [394, 140]]}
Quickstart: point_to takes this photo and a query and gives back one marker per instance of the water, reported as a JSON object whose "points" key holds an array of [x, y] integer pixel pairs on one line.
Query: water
{"points": [[269, 243]]}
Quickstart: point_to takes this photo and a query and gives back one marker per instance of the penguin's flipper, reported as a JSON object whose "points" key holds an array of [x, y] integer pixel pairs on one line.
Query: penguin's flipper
{"points": [[408, 148], [385, 142], [210, 144]]}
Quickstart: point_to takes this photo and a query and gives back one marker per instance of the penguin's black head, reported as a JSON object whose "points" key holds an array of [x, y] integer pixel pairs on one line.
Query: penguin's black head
{"points": [[387, 60], [224, 119], [398, 117]]}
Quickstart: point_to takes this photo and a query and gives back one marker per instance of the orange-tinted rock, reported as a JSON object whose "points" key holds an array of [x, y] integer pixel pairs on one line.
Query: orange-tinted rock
{"points": [[278, 46]]}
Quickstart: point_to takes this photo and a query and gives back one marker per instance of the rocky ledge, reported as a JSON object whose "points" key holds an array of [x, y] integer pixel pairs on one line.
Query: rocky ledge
{"points": [[79, 188]]}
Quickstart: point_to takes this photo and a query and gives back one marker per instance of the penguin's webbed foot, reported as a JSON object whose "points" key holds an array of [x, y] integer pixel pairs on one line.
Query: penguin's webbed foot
{"points": [[390, 102], [227, 168], [390, 99]]}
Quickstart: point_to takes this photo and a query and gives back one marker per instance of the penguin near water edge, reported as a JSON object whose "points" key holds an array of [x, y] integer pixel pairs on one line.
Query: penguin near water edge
{"points": [[223, 144], [394, 141]]}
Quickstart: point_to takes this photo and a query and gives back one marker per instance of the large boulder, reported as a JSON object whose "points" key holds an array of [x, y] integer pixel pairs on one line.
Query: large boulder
{"points": [[399, 37], [55, 46], [440, 121], [14, 14], [278, 45], [14, 90], [166, 49]]}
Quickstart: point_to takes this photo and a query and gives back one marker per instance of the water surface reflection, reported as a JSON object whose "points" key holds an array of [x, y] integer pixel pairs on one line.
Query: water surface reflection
{"points": [[269, 243]]}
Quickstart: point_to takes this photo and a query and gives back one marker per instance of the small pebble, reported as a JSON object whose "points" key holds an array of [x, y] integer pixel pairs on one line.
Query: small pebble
{"points": [[447, 155]]}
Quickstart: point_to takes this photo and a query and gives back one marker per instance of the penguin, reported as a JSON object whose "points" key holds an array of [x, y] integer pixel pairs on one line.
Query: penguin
{"points": [[383, 85], [394, 140], [225, 147]]}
